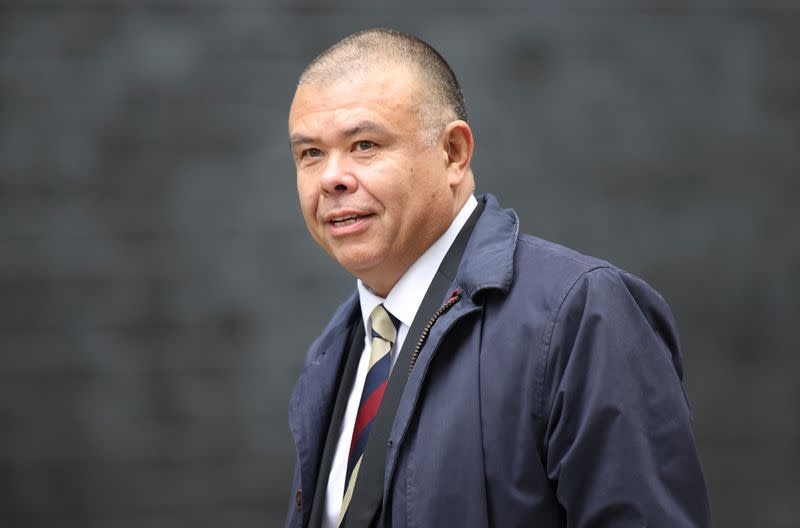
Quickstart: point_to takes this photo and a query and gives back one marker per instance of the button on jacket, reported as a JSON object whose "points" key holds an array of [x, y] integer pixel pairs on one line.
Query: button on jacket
{"points": [[550, 395]]}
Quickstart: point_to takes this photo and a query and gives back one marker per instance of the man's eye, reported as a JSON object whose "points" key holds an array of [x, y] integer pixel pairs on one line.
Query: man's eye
{"points": [[311, 153], [364, 145]]}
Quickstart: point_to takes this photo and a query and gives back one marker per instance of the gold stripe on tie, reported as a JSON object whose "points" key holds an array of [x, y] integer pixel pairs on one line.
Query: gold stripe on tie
{"points": [[348, 494], [382, 324], [380, 348]]}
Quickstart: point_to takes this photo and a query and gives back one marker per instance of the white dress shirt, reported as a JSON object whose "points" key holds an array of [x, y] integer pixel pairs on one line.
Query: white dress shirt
{"points": [[403, 302]]}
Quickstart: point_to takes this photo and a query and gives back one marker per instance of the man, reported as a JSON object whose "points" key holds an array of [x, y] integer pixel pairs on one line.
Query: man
{"points": [[478, 376]]}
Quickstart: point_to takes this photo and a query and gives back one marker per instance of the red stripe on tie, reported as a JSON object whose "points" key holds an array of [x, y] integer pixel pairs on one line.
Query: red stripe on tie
{"points": [[367, 412]]}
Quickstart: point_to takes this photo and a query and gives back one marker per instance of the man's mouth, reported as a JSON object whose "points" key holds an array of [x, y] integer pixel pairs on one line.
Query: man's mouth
{"points": [[346, 221]]}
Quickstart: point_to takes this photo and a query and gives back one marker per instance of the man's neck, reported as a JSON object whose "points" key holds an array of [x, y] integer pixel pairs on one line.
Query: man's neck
{"points": [[404, 297]]}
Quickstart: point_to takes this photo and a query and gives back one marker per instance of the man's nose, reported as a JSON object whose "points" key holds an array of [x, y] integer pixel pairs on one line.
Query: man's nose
{"points": [[337, 178]]}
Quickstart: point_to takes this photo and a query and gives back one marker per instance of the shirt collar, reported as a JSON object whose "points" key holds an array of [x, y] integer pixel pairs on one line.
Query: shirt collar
{"points": [[406, 296]]}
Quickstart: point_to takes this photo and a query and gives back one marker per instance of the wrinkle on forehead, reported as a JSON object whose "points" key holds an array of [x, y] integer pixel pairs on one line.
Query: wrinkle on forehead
{"points": [[349, 99]]}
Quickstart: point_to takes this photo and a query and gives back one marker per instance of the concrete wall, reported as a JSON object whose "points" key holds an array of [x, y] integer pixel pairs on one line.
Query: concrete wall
{"points": [[158, 287]]}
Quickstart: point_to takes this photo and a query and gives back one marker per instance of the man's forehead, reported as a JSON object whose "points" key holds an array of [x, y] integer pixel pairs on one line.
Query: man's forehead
{"points": [[353, 103]]}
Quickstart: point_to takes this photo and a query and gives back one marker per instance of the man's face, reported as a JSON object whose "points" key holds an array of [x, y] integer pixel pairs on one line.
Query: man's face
{"points": [[373, 195]]}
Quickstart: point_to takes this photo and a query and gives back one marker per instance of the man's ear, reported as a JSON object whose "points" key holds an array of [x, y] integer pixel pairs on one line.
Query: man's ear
{"points": [[460, 144]]}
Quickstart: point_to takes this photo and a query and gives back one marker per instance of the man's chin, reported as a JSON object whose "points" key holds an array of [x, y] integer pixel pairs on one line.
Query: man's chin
{"points": [[357, 262], [355, 257]]}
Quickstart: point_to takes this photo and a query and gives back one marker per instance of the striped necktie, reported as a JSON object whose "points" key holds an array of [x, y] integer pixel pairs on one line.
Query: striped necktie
{"points": [[383, 329]]}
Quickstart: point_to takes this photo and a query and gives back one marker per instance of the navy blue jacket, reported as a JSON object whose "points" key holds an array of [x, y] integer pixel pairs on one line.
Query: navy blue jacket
{"points": [[550, 395]]}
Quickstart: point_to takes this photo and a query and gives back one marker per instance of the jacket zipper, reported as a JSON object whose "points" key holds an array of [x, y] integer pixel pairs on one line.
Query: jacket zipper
{"points": [[454, 298]]}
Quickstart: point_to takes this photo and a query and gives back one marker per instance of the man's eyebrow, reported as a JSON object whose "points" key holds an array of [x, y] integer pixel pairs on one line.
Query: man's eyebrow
{"points": [[365, 126], [299, 139]]}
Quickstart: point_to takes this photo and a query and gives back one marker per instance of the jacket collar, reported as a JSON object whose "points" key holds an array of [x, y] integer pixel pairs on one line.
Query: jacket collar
{"points": [[488, 261]]}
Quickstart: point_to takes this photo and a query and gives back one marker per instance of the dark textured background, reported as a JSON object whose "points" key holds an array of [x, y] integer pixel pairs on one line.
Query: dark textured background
{"points": [[158, 287]]}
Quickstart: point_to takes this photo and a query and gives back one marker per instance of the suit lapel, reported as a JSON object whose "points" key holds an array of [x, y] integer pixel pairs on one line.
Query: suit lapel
{"points": [[312, 402]]}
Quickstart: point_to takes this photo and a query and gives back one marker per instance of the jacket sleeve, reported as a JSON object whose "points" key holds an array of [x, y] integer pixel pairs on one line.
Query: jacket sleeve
{"points": [[619, 444]]}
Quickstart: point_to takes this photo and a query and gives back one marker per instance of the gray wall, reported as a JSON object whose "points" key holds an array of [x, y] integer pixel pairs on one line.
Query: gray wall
{"points": [[158, 287]]}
